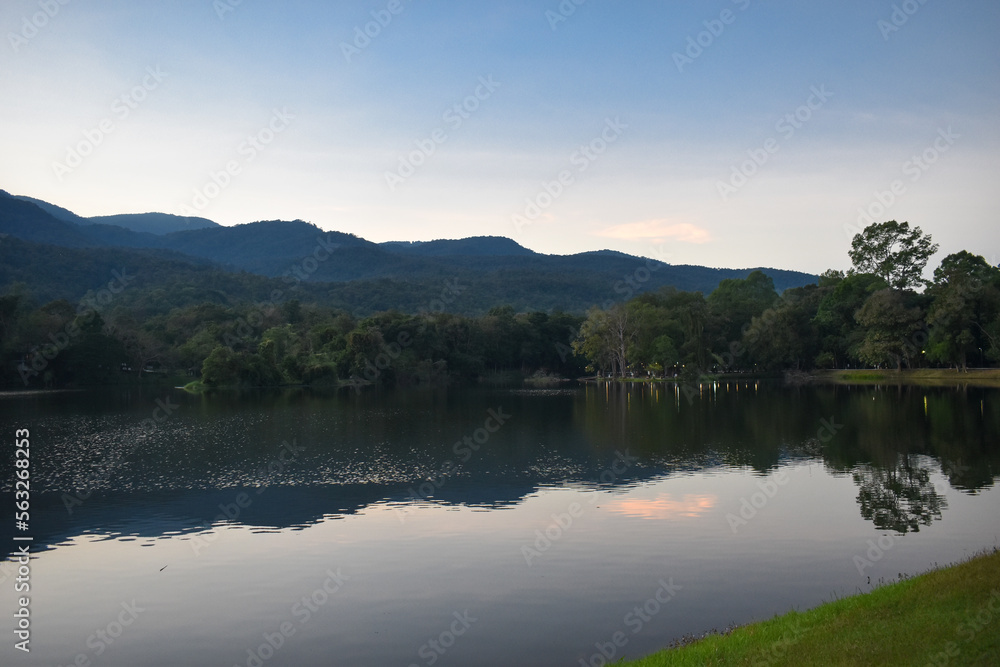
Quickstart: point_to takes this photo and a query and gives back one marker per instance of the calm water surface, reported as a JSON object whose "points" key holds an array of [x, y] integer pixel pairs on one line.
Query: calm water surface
{"points": [[476, 527]]}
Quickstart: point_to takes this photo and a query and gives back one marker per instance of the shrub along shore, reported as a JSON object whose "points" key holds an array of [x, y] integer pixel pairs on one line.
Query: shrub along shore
{"points": [[932, 377], [985, 377], [871, 316], [949, 616]]}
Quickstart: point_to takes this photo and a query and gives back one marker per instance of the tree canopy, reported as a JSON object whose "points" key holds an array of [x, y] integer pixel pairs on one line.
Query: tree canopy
{"points": [[869, 317], [894, 252]]}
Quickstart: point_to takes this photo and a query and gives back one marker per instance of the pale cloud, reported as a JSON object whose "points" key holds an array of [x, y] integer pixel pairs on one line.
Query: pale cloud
{"points": [[658, 231]]}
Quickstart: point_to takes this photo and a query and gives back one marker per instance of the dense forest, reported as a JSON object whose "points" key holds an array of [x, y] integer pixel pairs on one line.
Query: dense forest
{"points": [[59, 255], [872, 316], [880, 313]]}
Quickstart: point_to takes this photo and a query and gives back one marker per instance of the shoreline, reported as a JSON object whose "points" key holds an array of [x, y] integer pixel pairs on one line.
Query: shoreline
{"points": [[930, 377], [947, 615]]}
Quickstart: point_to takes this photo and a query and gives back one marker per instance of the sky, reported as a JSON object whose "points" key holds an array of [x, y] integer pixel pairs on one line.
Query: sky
{"points": [[730, 133]]}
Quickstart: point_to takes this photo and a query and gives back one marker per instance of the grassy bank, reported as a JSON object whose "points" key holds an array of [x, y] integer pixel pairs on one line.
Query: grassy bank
{"points": [[989, 377], [949, 616]]}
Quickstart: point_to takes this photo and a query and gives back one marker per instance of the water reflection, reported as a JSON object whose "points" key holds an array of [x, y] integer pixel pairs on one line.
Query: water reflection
{"points": [[664, 507], [899, 498], [207, 525], [361, 450]]}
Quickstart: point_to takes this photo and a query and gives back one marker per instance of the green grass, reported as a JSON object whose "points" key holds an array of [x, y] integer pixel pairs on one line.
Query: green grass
{"points": [[949, 616], [879, 377], [196, 387], [922, 376]]}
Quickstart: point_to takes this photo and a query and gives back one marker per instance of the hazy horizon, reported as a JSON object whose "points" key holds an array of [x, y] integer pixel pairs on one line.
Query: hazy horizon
{"points": [[730, 134]]}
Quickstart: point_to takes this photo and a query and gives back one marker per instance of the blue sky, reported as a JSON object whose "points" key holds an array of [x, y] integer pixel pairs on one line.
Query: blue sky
{"points": [[726, 133]]}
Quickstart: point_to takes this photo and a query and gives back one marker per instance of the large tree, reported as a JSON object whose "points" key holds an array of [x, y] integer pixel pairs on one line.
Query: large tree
{"points": [[891, 323], [785, 335], [595, 341], [840, 336], [606, 337], [894, 252], [736, 301], [965, 297]]}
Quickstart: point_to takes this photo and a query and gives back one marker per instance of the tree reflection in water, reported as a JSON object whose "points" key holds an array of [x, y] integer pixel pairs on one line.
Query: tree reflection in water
{"points": [[899, 498]]}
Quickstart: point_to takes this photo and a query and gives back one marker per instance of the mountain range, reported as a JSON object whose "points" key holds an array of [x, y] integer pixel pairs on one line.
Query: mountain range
{"points": [[59, 254]]}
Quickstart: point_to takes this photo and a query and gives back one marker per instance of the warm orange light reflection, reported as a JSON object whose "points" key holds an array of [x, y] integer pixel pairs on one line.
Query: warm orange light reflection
{"points": [[664, 506]]}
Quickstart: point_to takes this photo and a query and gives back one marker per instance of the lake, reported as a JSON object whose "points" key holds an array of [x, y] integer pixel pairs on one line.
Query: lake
{"points": [[482, 526]]}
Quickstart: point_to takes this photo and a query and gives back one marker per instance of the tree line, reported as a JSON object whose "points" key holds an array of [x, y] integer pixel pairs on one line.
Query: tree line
{"points": [[872, 315], [273, 344]]}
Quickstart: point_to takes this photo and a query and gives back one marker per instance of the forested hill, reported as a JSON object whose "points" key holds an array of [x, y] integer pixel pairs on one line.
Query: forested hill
{"points": [[59, 255], [476, 245], [152, 223]]}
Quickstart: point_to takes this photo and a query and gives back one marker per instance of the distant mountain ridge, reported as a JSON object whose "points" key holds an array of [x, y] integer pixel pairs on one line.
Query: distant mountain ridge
{"points": [[352, 272], [153, 223], [150, 223], [57, 212], [472, 246]]}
